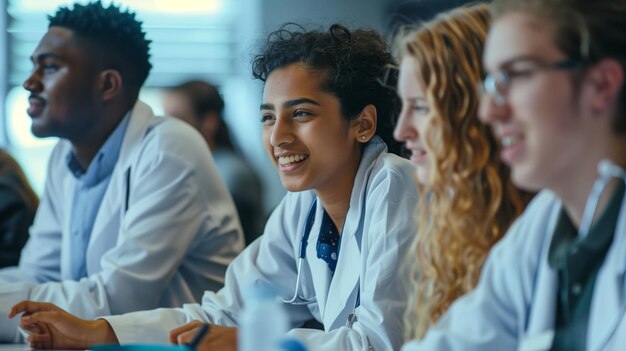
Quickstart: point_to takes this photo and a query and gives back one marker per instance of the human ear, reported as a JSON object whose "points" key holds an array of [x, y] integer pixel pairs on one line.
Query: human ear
{"points": [[110, 84], [366, 124], [606, 81]]}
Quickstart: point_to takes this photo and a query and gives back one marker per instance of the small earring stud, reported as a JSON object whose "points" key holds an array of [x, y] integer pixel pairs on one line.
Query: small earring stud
{"points": [[362, 137]]}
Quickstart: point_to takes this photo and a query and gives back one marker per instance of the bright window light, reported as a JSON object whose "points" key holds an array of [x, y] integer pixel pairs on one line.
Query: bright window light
{"points": [[169, 6], [19, 122]]}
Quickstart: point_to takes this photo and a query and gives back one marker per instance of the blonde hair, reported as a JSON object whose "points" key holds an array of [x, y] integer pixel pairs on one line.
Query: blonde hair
{"points": [[469, 201]]}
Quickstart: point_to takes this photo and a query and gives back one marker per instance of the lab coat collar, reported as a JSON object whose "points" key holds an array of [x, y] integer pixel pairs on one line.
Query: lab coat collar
{"points": [[141, 117], [345, 285], [608, 306]]}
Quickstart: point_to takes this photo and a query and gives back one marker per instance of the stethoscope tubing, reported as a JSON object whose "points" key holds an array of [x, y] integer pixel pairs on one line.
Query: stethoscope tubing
{"points": [[296, 299]]}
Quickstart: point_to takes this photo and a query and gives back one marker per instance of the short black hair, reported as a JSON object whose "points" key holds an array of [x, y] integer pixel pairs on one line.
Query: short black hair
{"points": [[356, 64], [116, 33]]}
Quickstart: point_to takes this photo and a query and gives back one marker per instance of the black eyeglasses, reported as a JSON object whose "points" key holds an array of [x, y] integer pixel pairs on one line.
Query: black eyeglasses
{"points": [[497, 84]]}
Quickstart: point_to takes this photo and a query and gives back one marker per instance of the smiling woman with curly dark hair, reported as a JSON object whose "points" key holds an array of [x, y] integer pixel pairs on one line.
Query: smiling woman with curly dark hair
{"points": [[354, 63]]}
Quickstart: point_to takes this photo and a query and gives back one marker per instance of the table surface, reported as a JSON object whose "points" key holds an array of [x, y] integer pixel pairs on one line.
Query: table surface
{"points": [[19, 347], [14, 347]]}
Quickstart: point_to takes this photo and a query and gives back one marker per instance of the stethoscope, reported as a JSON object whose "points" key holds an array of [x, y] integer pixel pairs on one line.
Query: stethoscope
{"points": [[296, 299], [607, 171]]}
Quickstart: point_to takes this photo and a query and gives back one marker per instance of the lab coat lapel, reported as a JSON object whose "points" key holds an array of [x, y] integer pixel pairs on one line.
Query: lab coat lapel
{"points": [[320, 274], [608, 306], [541, 318], [69, 184], [107, 223], [344, 287], [345, 284]]}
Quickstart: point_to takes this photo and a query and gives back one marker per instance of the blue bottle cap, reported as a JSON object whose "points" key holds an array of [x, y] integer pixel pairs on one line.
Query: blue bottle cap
{"points": [[292, 345]]}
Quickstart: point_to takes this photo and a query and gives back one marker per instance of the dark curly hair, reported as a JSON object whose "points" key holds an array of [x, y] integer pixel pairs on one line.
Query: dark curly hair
{"points": [[116, 35], [356, 65]]}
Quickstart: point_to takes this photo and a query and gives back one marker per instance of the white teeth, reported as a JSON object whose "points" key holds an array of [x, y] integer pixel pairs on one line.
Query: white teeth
{"points": [[291, 159], [510, 140]]}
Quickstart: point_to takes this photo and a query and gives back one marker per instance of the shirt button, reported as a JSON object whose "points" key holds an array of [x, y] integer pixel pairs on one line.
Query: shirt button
{"points": [[333, 256], [576, 288]]}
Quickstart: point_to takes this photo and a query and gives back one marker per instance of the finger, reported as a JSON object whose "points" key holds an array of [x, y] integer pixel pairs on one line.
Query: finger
{"points": [[186, 337], [31, 327], [38, 338], [26, 324], [39, 345], [42, 317], [29, 306], [33, 345], [38, 341], [184, 328]]}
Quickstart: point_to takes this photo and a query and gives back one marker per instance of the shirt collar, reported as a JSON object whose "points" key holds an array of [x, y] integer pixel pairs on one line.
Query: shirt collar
{"points": [[103, 163]]}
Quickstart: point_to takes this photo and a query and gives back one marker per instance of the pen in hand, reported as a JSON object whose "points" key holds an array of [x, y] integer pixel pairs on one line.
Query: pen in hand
{"points": [[204, 328]]}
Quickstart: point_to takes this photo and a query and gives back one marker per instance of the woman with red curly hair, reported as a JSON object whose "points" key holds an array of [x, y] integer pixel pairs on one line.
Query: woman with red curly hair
{"points": [[468, 200]]}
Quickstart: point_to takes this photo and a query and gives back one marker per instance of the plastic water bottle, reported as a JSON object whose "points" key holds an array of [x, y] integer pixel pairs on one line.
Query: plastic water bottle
{"points": [[264, 320]]}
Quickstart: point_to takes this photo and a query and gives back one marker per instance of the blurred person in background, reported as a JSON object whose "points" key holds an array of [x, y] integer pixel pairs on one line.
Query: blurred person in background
{"points": [[18, 204], [200, 104]]}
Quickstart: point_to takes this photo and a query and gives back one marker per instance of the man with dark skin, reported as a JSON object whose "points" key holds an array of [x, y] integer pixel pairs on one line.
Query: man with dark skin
{"points": [[134, 215]]}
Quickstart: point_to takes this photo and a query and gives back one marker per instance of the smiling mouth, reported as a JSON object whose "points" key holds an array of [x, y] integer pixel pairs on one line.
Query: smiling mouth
{"points": [[417, 156], [510, 140], [36, 106], [290, 160]]}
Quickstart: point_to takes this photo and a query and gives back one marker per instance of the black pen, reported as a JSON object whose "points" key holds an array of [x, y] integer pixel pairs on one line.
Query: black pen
{"points": [[204, 328]]}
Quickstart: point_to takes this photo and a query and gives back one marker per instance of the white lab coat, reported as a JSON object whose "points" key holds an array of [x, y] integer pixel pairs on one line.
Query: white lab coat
{"points": [[378, 228], [175, 240], [514, 305]]}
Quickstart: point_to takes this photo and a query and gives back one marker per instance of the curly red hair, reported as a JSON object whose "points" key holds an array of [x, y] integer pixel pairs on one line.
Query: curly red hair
{"points": [[469, 201]]}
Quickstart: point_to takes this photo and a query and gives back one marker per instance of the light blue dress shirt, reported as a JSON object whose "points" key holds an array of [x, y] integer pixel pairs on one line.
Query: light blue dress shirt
{"points": [[89, 191]]}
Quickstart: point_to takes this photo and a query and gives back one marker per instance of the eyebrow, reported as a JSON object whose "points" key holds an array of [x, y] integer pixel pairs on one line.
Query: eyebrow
{"points": [[414, 99], [291, 103], [44, 55], [520, 58]]}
